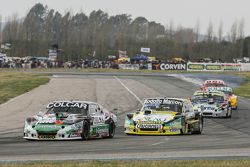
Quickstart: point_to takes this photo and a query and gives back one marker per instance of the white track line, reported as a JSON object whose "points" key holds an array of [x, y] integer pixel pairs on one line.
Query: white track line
{"points": [[157, 143], [131, 92]]}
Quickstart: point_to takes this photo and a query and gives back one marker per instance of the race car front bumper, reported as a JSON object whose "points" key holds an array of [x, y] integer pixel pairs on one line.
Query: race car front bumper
{"points": [[133, 130], [214, 114], [32, 134]]}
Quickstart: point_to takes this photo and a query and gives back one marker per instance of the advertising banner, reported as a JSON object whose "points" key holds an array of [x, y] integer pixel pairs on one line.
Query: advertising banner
{"points": [[196, 66], [231, 67], [172, 66], [214, 67], [145, 50], [129, 66]]}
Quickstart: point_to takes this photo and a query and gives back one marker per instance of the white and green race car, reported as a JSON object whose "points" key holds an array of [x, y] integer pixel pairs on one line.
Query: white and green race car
{"points": [[68, 120], [212, 104]]}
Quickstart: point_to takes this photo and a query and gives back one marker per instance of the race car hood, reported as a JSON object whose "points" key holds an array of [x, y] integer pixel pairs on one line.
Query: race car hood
{"points": [[154, 118], [206, 106], [59, 118], [48, 128], [51, 123]]}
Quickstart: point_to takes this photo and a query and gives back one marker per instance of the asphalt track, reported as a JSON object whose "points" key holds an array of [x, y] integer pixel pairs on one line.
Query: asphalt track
{"points": [[221, 138]]}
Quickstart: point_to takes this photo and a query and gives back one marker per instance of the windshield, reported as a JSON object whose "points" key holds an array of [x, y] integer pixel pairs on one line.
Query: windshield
{"points": [[200, 99], [214, 85], [206, 98], [163, 107], [218, 99], [69, 110]]}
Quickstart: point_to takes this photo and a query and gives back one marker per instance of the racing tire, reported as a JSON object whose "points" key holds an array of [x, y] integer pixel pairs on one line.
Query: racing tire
{"points": [[199, 128], [111, 129], [85, 130], [229, 113]]}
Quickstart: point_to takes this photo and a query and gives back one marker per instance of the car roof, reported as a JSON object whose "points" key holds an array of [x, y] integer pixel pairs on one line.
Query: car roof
{"points": [[74, 101], [218, 81]]}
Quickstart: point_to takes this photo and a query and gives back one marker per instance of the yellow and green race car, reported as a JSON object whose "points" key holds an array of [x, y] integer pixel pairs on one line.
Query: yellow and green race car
{"points": [[164, 116]]}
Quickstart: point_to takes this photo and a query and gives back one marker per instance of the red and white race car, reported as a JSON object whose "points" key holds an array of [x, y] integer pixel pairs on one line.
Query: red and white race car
{"points": [[220, 85], [212, 83]]}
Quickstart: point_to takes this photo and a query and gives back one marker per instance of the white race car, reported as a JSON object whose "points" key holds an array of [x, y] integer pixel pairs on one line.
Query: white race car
{"points": [[68, 120], [212, 104]]}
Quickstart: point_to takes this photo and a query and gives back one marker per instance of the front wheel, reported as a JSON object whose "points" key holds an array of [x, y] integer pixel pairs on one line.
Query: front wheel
{"points": [[111, 129], [85, 130], [198, 127], [229, 112]]}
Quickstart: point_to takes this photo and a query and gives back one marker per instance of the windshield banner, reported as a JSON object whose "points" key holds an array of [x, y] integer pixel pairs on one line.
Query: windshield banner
{"points": [[67, 105]]}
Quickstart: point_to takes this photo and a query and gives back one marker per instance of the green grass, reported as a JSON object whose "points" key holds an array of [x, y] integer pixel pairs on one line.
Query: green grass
{"points": [[167, 163], [244, 89], [13, 84]]}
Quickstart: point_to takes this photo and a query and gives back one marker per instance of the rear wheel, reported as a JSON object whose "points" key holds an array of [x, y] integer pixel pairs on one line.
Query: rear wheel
{"points": [[85, 130]]}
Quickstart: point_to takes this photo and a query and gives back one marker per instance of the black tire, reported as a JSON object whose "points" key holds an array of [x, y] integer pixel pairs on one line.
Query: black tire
{"points": [[85, 130], [111, 129], [199, 126], [229, 112]]}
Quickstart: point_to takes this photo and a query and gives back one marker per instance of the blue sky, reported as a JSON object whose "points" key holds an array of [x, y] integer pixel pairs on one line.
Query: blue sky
{"points": [[180, 12]]}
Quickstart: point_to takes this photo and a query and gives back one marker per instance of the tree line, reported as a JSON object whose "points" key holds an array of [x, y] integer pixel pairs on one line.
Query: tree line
{"points": [[99, 35]]}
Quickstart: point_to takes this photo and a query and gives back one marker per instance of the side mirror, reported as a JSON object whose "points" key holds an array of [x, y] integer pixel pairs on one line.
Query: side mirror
{"points": [[147, 112], [130, 116], [115, 111]]}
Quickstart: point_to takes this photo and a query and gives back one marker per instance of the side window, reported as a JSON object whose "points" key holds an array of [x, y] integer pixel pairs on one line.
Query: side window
{"points": [[186, 108], [190, 107], [98, 110], [93, 109]]}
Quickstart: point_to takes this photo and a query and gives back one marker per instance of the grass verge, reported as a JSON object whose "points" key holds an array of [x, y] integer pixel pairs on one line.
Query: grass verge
{"points": [[167, 163], [13, 84], [244, 89]]}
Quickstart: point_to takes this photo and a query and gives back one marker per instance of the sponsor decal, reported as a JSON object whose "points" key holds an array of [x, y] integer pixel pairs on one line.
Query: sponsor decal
{"points": [[209, 108], [172, 66], [213, 67], [47, 126], [51, 137], [163, 101], [100, 129], [160, 121], [67, 105], [173, 130], [148, 126], [226, 89], [231, 67], [196, 66]]}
